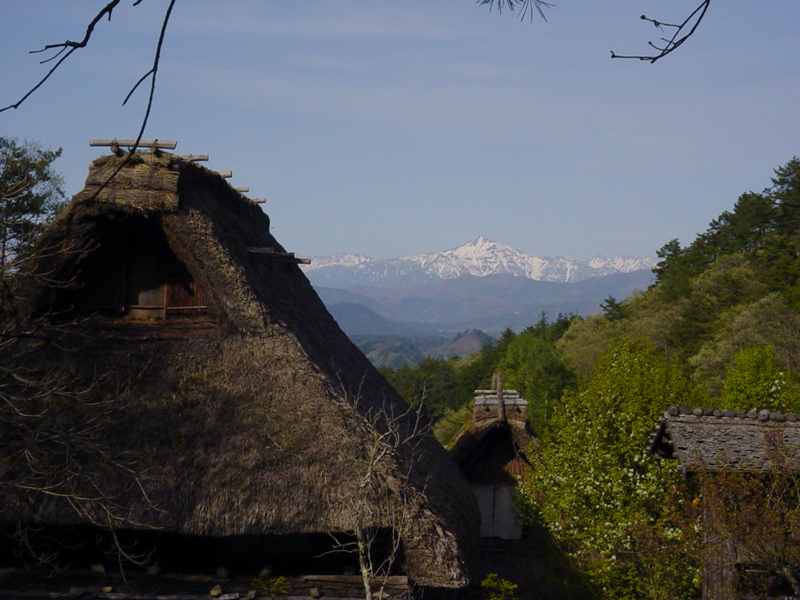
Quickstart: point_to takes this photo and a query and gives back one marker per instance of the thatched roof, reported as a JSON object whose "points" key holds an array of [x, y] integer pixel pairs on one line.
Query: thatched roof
{"points": [[492, 446], [713, 439], [260, 416]]}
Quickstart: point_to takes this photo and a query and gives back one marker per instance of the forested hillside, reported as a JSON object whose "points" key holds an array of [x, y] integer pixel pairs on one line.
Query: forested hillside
{"points": [[720, 327]]}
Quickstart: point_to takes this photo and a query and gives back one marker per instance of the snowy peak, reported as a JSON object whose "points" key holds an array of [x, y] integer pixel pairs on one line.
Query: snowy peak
{"points": [[341, 260], [479, 257]]}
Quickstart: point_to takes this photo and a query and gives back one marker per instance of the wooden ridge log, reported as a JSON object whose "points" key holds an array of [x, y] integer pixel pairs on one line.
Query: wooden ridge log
{"points": [[129, 143]]}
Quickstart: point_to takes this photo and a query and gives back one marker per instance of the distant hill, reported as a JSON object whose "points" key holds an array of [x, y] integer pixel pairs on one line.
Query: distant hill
{"points": [[395, 351], [479, 257], [357, 319], [491, 303]]}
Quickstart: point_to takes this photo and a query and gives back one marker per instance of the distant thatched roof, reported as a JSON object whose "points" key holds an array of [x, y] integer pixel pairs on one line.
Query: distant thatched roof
{"points": [[492, 446], [257, 418], [713, 439]]}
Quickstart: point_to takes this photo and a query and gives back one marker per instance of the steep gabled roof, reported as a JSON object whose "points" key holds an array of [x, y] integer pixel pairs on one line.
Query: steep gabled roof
{"points": [[492, 446], [264, 423], [713, 439]]}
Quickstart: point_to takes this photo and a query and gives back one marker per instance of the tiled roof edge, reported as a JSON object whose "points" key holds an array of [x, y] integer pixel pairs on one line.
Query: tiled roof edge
{"points": [[753, 414]]}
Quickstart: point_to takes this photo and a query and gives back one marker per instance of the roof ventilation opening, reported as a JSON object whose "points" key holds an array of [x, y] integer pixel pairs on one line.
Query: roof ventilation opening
{"points": [[134, 274]]}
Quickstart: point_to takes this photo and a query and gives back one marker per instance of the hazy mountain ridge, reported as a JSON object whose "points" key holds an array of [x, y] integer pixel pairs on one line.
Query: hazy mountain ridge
{"points": [[480, 257], [489, 303]]}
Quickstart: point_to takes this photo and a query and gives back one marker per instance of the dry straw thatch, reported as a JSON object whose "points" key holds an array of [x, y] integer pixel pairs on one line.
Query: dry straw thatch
{"points": [[257, 418]]}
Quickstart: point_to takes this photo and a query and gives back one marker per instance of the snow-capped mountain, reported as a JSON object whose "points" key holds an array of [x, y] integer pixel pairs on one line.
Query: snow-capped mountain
{"points": [[478, 257]]}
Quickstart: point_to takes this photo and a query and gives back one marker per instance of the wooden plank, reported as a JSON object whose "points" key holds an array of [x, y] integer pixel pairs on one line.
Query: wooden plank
{"points": [[225, 174], [194, 157], [356, 579], [242, 190], [259, 200], [135, 596]]}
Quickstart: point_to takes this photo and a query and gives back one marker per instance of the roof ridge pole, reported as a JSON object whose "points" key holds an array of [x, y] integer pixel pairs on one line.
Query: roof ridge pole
{"points": [[501, 405]]}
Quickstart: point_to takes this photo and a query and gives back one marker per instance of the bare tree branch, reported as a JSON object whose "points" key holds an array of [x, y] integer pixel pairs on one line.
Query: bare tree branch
{"points": [[681, 32], [65, 49], [69, 47]]}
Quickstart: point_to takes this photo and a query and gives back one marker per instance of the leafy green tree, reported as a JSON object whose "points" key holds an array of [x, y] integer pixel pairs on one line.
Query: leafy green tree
{"points": [[604, 498], [756, 381], [30, 195], [428, 386], [533, 365], [586, 341], [445, 429], [771, 320], [498, 588]]}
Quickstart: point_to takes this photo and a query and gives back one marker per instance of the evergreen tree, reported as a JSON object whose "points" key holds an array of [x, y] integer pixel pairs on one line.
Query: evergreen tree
{"points": [[30, 195]]}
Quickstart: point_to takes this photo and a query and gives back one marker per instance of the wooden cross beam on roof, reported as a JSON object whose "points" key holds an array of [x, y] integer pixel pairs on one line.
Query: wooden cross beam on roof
{"points": [[155, 144]]}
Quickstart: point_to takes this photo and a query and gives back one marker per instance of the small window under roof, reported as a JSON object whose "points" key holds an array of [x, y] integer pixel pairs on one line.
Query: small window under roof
{"points": [[133, 273]]}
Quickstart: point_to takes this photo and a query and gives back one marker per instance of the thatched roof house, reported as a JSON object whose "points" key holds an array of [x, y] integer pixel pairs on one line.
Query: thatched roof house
{"points": [[491, 449], [711, 439], [244, 407]]}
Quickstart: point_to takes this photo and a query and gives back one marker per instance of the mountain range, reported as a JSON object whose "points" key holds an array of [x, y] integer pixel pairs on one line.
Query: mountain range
{"points": [[479, 258], [482, 285]]}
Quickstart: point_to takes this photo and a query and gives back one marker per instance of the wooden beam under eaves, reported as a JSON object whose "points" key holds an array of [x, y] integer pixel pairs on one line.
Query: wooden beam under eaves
{"points": [[272, 253]]}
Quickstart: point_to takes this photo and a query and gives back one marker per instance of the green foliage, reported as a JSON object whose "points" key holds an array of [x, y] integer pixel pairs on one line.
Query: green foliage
{"points": [[613, 309], [498, 588], [726, 283], [598, 490], [762, 227], [767, 321], [756, 381], [451, 422], [30, 195], [442, 386], [429, 386], [273, 587], [533, 366]]}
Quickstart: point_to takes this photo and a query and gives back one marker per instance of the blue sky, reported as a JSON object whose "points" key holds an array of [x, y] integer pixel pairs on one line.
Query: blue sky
{"points": [[399, 127]]}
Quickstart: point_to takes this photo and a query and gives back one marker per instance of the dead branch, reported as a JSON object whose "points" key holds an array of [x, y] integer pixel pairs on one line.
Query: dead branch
{"points": [[56, 425], [64, 50], [680, 33]]}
